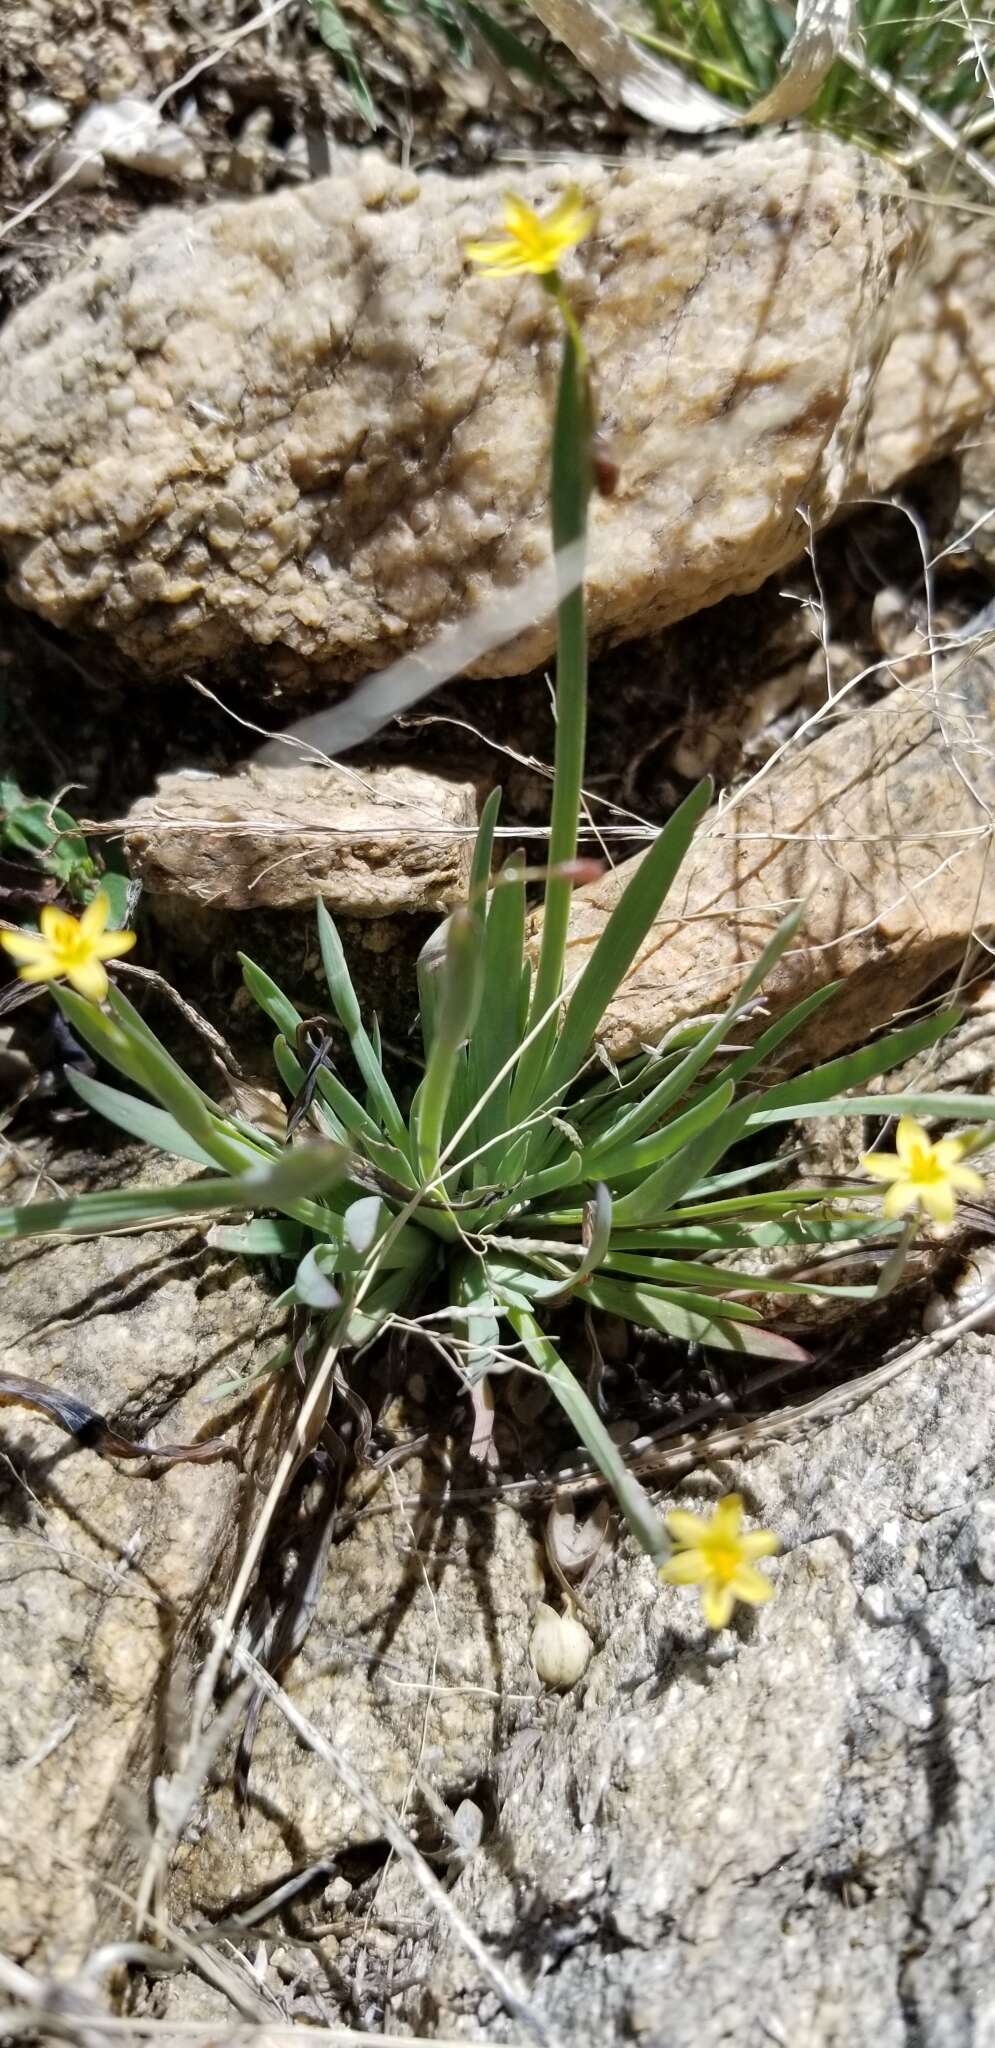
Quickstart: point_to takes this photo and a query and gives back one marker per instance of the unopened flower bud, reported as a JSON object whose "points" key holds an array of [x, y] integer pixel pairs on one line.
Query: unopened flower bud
{"points": [[560, 1648]]}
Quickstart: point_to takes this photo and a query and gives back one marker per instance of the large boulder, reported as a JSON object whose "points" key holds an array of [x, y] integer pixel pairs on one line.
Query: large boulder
{"points": [[880, 827], [299, 426]]}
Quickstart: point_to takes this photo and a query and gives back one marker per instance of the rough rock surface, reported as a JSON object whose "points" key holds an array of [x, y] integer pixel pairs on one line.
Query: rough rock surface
{"points": [[298, 424], [105, 1568], [881, 827], [938, 378], [372, 841], [416, 1660], [783, 1835]]}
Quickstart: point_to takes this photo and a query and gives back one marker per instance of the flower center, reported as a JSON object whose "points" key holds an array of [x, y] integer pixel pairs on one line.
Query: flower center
{"points": [[725, 1560], [924, 1168]]}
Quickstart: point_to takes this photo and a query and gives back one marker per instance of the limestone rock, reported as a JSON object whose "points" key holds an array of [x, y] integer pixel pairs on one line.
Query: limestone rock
{"points": [[881, 827], [413, 1659], [372, 842], [937, 380], [298, 427], [782, 1833], [976, 510], [105, 1568]]}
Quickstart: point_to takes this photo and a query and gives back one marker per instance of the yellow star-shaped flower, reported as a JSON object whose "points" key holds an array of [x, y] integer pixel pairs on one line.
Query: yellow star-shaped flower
{"points": [[69, 948], [923, 1175], [532, 242], [719, 1557]]}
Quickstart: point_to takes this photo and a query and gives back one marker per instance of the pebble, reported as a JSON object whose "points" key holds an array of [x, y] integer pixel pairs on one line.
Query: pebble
{"points": [[132, 133], [44, 116]]}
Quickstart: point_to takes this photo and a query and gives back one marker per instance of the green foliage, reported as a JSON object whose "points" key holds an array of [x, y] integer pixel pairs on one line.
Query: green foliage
{"points": [[735, 47], [459, 22], [337, 37], [32, 828], [522, 1175]]}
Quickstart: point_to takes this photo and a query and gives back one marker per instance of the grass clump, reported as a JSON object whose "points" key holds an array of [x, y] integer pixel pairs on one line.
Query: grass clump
{"points": [[939, 57], [523, 1173]]}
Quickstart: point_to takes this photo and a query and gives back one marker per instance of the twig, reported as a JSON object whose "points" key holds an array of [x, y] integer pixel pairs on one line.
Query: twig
{"points": [[212, 2032], [404, 1848], [89, 156]]}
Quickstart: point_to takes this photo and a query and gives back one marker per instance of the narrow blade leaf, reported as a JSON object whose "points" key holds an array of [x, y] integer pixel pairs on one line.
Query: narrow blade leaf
{"points": [[621, 939]]}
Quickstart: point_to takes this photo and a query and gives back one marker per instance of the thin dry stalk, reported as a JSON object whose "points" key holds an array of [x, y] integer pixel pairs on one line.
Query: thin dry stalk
{"points": [[67, 2009], [382, 1818]]}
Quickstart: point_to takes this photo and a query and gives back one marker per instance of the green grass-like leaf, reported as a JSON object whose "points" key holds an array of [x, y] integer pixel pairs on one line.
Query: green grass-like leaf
{"points": [[520, 1174]]}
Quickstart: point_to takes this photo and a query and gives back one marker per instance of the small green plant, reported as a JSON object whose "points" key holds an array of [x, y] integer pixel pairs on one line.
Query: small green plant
{"points": [[43, 833], [524, 1174], [938, 57], [456, 22]]}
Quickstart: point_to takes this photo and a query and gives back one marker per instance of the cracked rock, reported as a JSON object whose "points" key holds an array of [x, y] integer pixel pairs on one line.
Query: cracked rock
{"points": [[234, 863], [781, 1834], [371, 841], [880, 827], [107, 1569], [298, 427]]}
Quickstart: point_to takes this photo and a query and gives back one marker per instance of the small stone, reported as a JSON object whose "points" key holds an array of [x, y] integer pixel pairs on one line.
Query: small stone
{"points": [[44, 116], [132, 133], [371, 842]]}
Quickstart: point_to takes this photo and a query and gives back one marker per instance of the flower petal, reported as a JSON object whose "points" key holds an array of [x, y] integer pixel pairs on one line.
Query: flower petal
{"points": [[750, 1585], [898, 1199], [686, 1568], [939, 1200], [89, 978], [967, 1180], [948, 1151], [685, 1528], [569, 208], [910, 1139], [25, 945], [727, 1520], [41, 970], [94, 919], [494, 254], [760, 1543], [58, 927], [113, 944], [717, 1603], [520, 218], [883, 1166]]}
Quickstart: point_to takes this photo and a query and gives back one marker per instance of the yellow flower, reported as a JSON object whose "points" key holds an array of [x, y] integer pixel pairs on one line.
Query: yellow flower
{"points": [[923, 1175], [70, 948], [717, 1556], [531, 242]]}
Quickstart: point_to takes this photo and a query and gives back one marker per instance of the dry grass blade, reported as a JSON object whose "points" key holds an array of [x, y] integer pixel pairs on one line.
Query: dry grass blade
{"points": [[663, 94], [925, 118], [383, 697], [659, 92], [382, 1818], [821, 31], [67, 2009]]}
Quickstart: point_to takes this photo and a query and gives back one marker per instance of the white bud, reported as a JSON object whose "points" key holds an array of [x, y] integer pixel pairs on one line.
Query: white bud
{"points": [[561, 1648]]}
